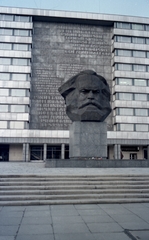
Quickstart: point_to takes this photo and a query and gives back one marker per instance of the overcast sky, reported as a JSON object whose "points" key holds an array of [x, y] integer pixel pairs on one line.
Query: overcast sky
{"points": [[122, 7]]}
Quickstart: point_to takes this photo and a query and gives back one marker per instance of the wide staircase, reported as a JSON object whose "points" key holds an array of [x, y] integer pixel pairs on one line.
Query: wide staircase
{"points": [[60, 189]]}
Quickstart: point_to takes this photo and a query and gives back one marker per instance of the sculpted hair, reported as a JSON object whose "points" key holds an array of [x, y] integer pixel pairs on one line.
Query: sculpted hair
{"points": [[70, 85]]}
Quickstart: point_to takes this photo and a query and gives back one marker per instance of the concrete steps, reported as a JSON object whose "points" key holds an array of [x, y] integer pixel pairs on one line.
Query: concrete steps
{"points": [[59, 189]]}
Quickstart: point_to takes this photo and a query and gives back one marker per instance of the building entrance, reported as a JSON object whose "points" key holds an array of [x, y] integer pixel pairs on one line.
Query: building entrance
{"points": [[4, 152]]}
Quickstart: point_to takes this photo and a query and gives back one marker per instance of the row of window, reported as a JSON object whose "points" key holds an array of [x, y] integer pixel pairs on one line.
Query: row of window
{"points": [[132, 96], [16, 18], [132, 82], [132, 112], [127, 39], [131, 67], [14, 76], [132, 127], [15, 46], [14, 108], [14, 92], [15, 61], [133, 26], [15, 32], [13, 125], [131, 53]]}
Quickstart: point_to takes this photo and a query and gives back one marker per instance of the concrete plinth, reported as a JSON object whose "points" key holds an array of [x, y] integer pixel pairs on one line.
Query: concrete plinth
{"points": [[88, 140]]}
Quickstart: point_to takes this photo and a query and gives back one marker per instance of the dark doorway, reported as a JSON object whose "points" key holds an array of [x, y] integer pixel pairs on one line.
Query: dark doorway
{"points": [[36, 152], [4, 152], [53, 152]]}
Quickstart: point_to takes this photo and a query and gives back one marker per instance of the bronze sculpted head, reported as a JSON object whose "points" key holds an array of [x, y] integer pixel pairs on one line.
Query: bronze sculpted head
{"points": [[87, 97]]}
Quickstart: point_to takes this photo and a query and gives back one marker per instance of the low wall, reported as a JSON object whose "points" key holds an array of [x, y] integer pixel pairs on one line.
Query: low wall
{"points": [[92, 163]]}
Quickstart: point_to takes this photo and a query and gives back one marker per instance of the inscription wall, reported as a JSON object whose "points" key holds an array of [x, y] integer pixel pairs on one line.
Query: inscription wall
{"points": [[60, 51]]}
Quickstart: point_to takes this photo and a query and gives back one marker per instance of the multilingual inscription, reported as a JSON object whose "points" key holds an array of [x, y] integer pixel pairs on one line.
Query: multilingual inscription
{"points": [[59, 52]]}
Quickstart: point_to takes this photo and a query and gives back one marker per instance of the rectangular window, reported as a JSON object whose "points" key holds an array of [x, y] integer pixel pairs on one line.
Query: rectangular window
{"points": [[125, 96], [139, 54], [17, 108], [140, 82], [16, 125], [140, 97], [4, 92], [6, 46], [5, 31], [123, 39], [125, 81], [20, 77], [22, 18], [124, 25], [3, 124], [20, 61], [20, 32], [21, 47], [141, 127], [126, 127], [5, 61], [139, 68], [18, 92], [141, 112], [125, 53], [147, 54], [138, 40], [3, 108], [125, 111], [123, 67], [6, 17], [147, 27], [4, 76], [139, 27], [147, 40]]}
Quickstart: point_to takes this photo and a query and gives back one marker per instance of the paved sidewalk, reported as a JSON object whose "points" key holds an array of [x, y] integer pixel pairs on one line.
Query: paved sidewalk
{"points": [[21, 168], [75, 222]]}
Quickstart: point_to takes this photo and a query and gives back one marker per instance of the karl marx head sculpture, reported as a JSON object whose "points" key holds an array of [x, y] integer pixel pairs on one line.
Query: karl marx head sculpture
{"points": [[87, 97]]}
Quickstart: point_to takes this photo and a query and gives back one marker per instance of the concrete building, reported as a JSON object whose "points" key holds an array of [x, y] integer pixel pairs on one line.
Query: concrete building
{"points": [[40, 49]]}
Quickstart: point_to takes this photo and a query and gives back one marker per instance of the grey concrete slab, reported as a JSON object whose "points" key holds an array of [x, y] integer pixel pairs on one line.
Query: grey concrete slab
{"points": [[141, 235], [35, 229], [37, 214], [9, 221], [11, 214], [134, 225], [14, 208], [63, 207], [67, 219], [78, 236], [86, 206], [8, 230], [21, 168], [90, 212], [6, 238], [70, 228], [115, 209], [97, 219], [38, 208], [120, 218], [102, 227], [111, 236], [36, 220], [35, 237], [64, 212]]}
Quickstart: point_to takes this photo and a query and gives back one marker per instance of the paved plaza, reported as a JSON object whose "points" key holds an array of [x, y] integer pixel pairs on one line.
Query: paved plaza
{"points": [[73, 222]]}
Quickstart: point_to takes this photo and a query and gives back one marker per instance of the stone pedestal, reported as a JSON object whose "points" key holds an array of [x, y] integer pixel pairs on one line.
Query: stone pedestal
{"points": [[88, 140]]}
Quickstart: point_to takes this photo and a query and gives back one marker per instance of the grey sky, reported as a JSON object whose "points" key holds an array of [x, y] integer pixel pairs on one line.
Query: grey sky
{"points": [[122, 7]]}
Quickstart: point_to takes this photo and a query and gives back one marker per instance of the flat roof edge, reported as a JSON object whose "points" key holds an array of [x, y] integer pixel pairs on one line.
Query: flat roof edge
{"points": [[73, 15]]}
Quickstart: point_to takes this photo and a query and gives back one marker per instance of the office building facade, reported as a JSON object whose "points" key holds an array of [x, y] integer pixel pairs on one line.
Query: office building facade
{"points": [[41, 49]]}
